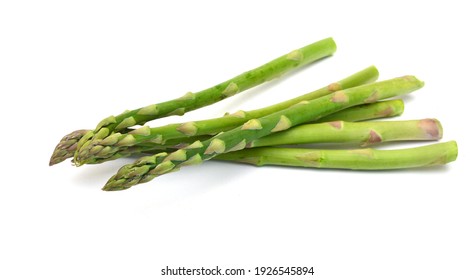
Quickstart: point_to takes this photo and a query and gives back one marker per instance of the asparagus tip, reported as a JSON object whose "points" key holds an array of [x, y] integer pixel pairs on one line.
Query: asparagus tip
{"points": [[66, 147], [127, 176], [56, 159], [114, 184]]}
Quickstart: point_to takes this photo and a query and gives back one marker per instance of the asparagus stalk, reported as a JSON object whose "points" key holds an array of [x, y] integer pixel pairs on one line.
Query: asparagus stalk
{"points": [[192, 101], [362, 133], [102, 148], [335, 132], [382, 109], [66, 148], [360, 159], [147, 168], [363, 112]]}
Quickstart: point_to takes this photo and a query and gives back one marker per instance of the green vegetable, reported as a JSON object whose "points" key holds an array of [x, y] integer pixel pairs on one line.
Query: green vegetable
{"points": [[67, 146], [382, 109], [192, 101], [361, 159], [147, 168], [362, 133], [103, 148]]}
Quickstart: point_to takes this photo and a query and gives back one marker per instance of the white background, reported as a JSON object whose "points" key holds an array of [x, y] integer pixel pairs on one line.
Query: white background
{"points": [[65, 65]]}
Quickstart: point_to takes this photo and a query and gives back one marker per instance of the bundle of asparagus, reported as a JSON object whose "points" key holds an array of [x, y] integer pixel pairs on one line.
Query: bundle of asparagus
{"points": [[332, 114]]}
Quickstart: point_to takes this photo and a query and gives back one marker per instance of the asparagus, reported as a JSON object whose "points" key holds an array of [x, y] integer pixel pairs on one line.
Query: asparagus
{"points": [[66, 148], [147, 168], [335, 132], [362, 133], [382, 109], [360, 159], [111, 146], [192, 101]]}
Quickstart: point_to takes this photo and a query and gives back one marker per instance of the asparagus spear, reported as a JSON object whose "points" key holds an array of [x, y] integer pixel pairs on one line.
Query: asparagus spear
{"points": [[192, 101], [361, 133], [66, 148], [360, 159], [147, 168], [108, 147], [382, 109]]}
